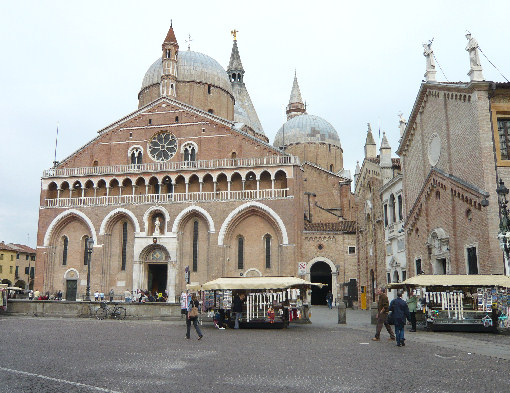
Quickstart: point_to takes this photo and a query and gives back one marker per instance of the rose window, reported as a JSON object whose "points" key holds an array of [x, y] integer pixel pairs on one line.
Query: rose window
{"points": [[162, 146]]}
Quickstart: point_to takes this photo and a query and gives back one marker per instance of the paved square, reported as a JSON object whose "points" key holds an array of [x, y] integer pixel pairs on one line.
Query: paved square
{"points": [[87, 355]]}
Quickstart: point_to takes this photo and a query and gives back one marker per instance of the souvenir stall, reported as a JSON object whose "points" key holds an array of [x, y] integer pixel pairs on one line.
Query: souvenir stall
{"points": [[3, 297], [462, 302], [275, 301]]}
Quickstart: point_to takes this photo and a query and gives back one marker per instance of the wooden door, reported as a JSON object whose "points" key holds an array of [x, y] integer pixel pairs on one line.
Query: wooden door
{"points": [[71, 288]]}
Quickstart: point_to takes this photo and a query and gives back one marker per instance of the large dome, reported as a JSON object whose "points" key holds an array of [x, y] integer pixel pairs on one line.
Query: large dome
{"points": [[191, 67], [306, 128]]}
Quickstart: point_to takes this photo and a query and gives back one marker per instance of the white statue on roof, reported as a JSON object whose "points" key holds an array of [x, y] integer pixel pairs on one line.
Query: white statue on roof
{"points": [[475, 71], [430, 71]]}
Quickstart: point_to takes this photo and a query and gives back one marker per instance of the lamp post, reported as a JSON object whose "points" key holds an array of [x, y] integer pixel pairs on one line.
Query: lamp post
{"points": [[90, 244], [504, 230]]}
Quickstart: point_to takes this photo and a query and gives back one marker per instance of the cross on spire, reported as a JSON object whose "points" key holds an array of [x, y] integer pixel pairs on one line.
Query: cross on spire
{"points": [[188, 41], [234, 34]]}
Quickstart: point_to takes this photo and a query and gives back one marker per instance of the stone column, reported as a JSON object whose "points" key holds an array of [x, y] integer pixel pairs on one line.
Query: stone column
{"points": [[171, 281]]}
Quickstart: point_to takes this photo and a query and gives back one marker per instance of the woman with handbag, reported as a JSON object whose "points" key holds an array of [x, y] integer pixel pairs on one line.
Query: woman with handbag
{"points": [[193, 317]]}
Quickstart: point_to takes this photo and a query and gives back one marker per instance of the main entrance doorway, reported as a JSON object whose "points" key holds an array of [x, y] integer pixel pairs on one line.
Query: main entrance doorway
{"points": [[157, 277], [320, 272]]}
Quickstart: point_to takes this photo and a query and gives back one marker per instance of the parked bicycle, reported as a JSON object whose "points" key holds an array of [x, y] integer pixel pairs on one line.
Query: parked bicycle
{"points": [[115, 312]]}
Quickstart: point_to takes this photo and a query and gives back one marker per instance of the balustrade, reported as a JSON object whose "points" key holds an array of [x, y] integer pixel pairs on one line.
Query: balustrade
{"points": [[168, 198], [172, 166]]}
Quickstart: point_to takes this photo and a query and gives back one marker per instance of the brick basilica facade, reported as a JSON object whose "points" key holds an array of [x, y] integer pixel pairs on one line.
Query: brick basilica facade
{"points": [[189, 182]]}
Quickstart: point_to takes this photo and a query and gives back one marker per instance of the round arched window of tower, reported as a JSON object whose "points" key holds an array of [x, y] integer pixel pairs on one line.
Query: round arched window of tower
{"points": [[162, 146]]}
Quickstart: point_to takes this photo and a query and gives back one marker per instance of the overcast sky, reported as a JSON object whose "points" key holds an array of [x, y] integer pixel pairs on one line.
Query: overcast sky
{"points": [[81, 64]]}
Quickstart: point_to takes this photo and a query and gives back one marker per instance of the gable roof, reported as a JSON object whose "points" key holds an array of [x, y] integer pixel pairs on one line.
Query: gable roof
{"points": [[313, 165], [430, 182], [190, 108]]}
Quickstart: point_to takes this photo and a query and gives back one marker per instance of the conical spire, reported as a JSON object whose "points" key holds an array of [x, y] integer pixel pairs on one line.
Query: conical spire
{"points": [[170, 37], [296, 106], [295, 94], [370, 138], [235, 63], [370, 147]]}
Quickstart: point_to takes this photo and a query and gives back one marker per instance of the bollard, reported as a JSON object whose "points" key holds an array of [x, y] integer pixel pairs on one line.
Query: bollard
{"points": [[373, 313], [342, 314]]}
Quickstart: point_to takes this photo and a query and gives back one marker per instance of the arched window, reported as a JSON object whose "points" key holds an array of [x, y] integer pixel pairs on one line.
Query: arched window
{"points": [[195, 246], [85, 254], [136, 156], [124, 245], [192, 154], [240, 252], [168, 53], [208, 89], [267, 247], [331, 167], [64, 250], [186, 155]]}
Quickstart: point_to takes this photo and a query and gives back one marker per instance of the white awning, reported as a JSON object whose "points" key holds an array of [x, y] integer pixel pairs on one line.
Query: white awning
{"points": [[255, 283], [455, 280]]}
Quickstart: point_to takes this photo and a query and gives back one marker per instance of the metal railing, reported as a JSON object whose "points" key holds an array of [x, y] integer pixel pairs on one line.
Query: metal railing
{"points": [[167, 198], [172, 166]]}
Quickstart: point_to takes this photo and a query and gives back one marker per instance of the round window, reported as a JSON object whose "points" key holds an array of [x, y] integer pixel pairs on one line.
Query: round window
{"points": [[162, 146]]}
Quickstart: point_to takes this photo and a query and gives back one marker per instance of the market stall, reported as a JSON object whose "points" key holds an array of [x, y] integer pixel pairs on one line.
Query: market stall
{"points": [[462, 302], [268, 300]]}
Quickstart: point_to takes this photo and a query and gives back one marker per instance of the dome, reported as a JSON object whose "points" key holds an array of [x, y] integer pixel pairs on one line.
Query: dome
{"points": [[191, 67], [306, 128]]}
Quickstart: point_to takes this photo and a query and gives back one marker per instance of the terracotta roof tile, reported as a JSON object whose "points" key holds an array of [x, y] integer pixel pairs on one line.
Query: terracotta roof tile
{"points": [[7, 247], [340, 226], [22, 248]]}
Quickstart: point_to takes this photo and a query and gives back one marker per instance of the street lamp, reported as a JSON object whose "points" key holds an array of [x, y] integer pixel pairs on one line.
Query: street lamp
{"points": [[90, 244], [504, 231]]}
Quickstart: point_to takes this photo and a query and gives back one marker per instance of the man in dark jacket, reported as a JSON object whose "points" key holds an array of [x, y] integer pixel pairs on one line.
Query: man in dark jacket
{"points": [[382, 314], [237, 308], [400, 314]]}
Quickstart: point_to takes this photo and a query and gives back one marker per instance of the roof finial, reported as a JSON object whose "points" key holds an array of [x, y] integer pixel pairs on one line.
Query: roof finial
{"points": [[234, 34], [189, 41], [171, 24]]}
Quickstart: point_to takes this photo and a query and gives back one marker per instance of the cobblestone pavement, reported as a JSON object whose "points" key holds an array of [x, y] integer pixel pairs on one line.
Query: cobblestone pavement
{"points": [[86, 355]]}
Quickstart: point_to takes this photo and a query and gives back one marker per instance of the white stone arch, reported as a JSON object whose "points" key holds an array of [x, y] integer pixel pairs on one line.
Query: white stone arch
{"points": [[189, 144], [134, 147], [334, 273], [239, 172], [117, 211], [197, 209], [273, 173], [254, 270], [149, 211], [248, 205], [321, 259], [69, 276], [63, 215]]}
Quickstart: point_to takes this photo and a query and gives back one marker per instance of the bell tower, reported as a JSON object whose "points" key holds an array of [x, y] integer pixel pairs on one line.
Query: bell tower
{"points": [[170, 50], [296, 106]]}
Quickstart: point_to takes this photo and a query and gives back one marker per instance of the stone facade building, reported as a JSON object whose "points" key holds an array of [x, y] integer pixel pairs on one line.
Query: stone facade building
{"points": [[376, 226], [188, 184], [454, 150]]}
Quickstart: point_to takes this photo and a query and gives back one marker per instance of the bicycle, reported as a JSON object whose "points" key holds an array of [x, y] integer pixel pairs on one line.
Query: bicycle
{"points": [[115, 312]]}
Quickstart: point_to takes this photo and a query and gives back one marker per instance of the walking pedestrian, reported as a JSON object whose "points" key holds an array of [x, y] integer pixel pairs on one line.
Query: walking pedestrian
{"points": [[329, 299], [382, 314], [400, 312], [111, 295], [412, 303], [192, 316]]}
